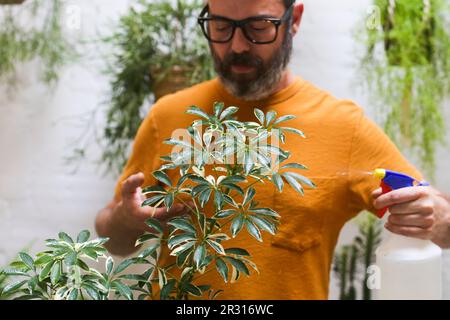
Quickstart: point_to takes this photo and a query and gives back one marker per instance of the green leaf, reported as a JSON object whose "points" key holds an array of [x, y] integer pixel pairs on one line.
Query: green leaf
{"points": [[55, 273], [218, 107], [163, 177], [228, 112], [162, 278], [73, 295], [182, 224], [148, 251], [153, 189], [183, 255], [180, 238], [182, 248], [192, 290], [109, 265], [249, 196], [122, 289], [237, 251], [216, 246], [293, 130], [278, 181], [199, 256], [27, 260], [82, 265], [283, 119], [218, 199], [83, 236], [253, 230], [155, 224], [239, 265], [12, 272], [196, 111], [19, 265], [46, 271], [123, 265], [233, 186], [204, 197], [65, 237], [222, 268], [293, 183], [152, 200], [264, 224], [265, 211], [43, 259], [145, 238], [271, 115], [168, 200], [233, 179], [167, 289], [236, 225], [11, 288], [222, 214], [71, 258], [135, 277], [92, 291], [294, 166], [301, 179], [259, 115]]}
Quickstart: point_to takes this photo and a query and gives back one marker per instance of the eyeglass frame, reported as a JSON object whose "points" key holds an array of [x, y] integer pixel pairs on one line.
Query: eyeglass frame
{"points": [[241, 24]]}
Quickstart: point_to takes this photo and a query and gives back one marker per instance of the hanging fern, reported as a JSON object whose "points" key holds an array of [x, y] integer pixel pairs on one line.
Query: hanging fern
{"points": [[406, 70]]}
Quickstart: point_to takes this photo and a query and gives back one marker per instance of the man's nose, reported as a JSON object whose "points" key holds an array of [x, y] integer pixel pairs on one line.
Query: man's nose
{"points": [[239, 42]]}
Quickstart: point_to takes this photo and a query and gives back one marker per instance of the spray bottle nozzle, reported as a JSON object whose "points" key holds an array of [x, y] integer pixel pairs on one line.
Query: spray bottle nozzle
{"points": [[391, 180]]}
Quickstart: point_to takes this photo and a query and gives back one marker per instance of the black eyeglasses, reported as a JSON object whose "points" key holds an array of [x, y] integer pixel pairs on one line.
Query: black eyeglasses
{"points": [[258, 30]]}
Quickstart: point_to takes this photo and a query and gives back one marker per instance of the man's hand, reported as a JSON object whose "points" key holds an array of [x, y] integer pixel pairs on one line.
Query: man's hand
{"points": [[124, 222], [418, 212], [134, 216]]}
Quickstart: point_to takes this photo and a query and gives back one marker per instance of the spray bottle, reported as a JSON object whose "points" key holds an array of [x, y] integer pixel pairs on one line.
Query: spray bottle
{"points": [[410, 269]]}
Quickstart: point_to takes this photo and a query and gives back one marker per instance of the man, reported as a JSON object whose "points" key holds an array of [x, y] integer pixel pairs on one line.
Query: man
{"points": [[251, 42]]}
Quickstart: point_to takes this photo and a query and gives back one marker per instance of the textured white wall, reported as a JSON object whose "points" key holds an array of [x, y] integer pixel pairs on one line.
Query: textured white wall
{"points": [[39, 194]]}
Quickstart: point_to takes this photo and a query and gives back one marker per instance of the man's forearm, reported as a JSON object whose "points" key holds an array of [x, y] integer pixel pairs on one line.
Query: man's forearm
{"points": [[121, 239]]}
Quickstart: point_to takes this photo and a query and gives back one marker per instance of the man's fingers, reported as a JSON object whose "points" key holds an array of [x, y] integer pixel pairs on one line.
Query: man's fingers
{"points": [[399, 196], [162, 214], [376, 193], [411, 220], [423, 206], [130, 185]]}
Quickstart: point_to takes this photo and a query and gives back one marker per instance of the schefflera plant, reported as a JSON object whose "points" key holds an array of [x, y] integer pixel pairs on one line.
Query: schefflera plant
{"points": [[224, 201], [61, 272]]}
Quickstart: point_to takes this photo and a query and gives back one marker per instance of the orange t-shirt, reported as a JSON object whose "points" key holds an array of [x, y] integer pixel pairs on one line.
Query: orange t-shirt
{"points": [[341, 143]]}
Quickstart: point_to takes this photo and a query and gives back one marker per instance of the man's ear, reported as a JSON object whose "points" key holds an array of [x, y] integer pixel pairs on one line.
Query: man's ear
{"points": [[297, 18]]}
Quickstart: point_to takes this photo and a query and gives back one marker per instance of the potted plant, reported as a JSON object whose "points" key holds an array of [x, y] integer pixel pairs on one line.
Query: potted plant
{"points": [[42, 38], [158, 50], [405, 68], [224, 206]]}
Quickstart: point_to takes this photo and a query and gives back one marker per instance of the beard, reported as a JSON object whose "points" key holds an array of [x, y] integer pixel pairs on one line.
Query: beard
{"points": [[259, 84]]}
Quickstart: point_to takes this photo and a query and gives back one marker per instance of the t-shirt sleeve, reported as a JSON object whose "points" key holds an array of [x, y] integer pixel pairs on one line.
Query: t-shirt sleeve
{"points": [[372, 149], [145, 156]]}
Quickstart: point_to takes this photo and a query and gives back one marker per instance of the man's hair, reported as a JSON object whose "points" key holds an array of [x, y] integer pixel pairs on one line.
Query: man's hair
{"points": [[288, 3]]}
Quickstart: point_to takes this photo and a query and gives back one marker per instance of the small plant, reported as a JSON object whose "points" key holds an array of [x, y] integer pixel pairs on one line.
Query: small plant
{"points": [[159, 49], [62, 272], [217, 173], [405, 68], [42, 38], [352, 261]]}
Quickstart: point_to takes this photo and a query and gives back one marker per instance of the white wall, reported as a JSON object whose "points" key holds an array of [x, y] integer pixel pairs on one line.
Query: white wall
{"points": [[39, 194]]}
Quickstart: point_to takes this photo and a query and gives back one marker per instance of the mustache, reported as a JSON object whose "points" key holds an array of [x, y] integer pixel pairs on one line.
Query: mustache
{"points": [[242, 59]]}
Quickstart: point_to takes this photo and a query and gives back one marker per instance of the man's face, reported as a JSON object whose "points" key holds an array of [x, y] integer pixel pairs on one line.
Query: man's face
{"points": [[251, 71]]}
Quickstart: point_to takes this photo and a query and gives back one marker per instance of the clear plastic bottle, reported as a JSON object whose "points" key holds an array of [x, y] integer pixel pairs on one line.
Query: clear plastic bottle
{"points": [[410, 269]]}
